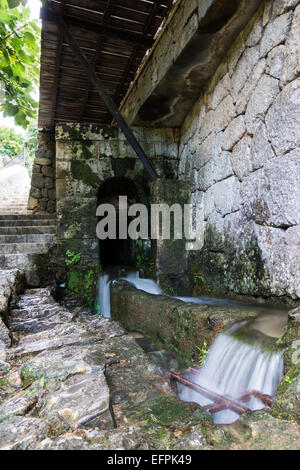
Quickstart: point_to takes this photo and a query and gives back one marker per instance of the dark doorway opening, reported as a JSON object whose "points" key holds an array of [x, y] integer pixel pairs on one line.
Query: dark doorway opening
{"points": [[120, 252]]}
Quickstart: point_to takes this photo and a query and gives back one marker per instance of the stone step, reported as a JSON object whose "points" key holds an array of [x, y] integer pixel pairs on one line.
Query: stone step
{"points": [[41, 215], [26, 238], [23, 248], [39, 229], [26, 222]]}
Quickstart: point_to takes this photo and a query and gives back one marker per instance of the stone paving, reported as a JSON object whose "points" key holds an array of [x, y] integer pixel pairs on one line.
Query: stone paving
{"points": [[71, 380]]}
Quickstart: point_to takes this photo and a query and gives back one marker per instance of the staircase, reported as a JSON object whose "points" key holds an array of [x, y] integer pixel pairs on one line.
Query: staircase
{"points": [[16, 204], [23, 238]]}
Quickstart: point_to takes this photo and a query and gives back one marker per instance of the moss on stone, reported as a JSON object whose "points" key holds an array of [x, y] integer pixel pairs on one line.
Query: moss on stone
{"points": [[82, 172], [29, 374]]}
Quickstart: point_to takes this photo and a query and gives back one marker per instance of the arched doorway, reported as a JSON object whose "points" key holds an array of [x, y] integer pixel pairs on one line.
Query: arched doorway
{"points": [[120, 252]]}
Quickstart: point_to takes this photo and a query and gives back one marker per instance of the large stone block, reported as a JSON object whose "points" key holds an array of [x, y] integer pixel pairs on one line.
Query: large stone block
{"points": [[241, 158], [291, 67], [260, 148], [275, 33], [275, 61], [37, 181], [263, 96], [227, 195], [282, 193], [233, 133], [245, 94], [243, 70], [282, 6], [283, 119], [224, 114]]}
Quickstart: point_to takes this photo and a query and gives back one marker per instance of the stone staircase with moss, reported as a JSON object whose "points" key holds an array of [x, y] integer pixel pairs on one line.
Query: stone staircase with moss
{"points": [[24, 240]]}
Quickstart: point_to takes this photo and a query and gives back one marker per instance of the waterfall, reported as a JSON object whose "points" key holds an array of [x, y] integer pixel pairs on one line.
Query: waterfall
{"points": [[147, 285], [104, 295], [233, 368]]}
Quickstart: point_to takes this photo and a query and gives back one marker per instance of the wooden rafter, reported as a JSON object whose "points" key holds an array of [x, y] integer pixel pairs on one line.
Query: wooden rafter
{"points": [[114, 36], [100, 28]]}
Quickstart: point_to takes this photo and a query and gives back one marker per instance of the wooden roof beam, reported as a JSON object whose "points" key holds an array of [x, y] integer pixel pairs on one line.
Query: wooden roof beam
{"points": [[100, 28]]}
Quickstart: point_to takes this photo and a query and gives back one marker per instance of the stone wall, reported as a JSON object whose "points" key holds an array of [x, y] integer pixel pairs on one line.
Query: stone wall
{"points": [[240, 149], [86, 157], [42, 197]]}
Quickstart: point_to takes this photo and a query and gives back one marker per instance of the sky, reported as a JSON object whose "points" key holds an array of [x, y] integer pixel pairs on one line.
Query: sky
{"points": [[34, 6]]}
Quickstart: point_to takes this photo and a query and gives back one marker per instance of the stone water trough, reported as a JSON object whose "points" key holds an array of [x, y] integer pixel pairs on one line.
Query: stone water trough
{"points": [[181, 326]]}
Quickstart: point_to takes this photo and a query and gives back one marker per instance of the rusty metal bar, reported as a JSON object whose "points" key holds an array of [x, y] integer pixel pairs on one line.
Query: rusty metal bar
{"points": [[224, 403], [107, 100]]}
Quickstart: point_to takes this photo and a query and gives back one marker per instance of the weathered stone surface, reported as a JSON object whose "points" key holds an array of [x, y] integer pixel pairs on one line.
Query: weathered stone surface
{"points": [[18, 433], [281, 175], [291, 65], [32, 203], [227, 195], [10, 285], [275, 61], [245, 94], [206, 150], [233, 133], [37, 180], [263, 96], [42, 161], [285, 110], [275, 33], [281, 6], [221, 91], [17, 406], [224, 113], [80, 399], [241, 158], [258, 431], [243, 70], [4, 336], [260, 148]]}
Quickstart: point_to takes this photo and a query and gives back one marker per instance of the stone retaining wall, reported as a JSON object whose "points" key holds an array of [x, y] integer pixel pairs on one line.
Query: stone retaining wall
{"points": [[42, 195], [240, 149]]}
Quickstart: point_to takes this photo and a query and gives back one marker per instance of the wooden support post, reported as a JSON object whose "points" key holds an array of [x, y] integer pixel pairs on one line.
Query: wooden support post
{"points": [[107, 100]]}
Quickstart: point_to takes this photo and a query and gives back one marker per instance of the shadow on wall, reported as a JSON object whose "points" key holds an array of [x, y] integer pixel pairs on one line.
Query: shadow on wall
{"points": [[120, 252]]}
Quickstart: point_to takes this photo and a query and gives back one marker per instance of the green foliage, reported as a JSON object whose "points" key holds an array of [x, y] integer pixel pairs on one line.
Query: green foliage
{"points": [[72, 258], [83, 282], [143, 262], [19, 61], [280, 342], [202, 353], [288, 379], [171, 290], [11, 143], [198, 279]]}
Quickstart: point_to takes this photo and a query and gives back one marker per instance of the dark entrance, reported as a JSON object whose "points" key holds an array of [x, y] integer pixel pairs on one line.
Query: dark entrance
{"points": [[120, 252]]}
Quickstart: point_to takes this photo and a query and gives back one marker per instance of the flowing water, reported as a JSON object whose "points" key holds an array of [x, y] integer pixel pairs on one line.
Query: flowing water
{"points": [[242, 359], [233, 368]]}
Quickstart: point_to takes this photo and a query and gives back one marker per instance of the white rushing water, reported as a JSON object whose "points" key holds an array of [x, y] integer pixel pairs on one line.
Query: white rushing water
{"points": [[104, 295], [147, 285], [233, 368]]}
